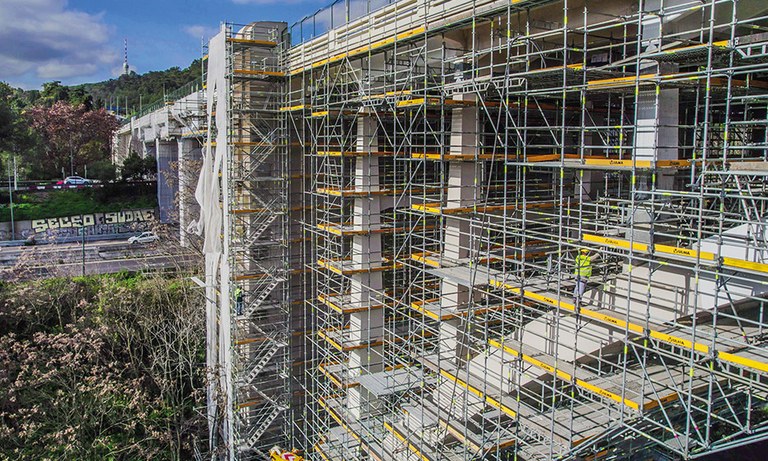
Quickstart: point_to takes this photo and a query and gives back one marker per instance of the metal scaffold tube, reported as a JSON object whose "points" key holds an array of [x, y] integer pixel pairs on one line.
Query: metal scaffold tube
{"points": [[248, 211], [465, 230]]}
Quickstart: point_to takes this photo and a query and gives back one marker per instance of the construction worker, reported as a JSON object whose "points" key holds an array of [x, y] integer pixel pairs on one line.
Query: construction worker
{"points": [[583, 271], [238, 300]]}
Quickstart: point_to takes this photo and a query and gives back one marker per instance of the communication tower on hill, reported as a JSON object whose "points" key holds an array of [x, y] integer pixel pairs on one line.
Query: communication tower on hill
{"points": [[126, 68]]}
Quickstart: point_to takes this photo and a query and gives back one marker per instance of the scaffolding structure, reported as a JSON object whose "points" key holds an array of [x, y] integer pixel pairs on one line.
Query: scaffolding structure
{"points": [[460, 154], [406, 188], [253, 273]]}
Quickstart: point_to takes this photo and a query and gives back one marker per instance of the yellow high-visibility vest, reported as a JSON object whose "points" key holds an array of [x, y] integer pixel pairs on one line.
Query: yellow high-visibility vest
{"points": [[583, 266]]}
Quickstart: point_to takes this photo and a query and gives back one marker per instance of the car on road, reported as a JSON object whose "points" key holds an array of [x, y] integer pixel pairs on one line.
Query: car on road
{"points": [[144, 237], [76, 181]]}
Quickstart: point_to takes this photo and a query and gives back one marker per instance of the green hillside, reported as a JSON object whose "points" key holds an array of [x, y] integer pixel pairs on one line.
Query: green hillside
{"points": [[139, 89]]}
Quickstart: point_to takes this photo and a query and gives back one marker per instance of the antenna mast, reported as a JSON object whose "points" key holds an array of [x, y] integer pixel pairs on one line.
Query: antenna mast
{"points": [[126, 69]]}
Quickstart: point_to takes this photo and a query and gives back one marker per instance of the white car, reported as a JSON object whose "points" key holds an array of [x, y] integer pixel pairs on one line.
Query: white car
{"points": [[144, 237], [76, 181]]}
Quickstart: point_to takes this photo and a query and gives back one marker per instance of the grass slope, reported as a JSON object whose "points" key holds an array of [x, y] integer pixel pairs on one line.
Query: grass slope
{"points": [[59, 203]]}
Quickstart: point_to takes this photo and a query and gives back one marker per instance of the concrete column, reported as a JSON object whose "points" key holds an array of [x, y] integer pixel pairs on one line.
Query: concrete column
{"points": [[121, 145], [149, 149], [463, 127], [588, 182], [189, 151], [366, 326], [656, 135], [167, 180], [462, 191], [359, 402]]}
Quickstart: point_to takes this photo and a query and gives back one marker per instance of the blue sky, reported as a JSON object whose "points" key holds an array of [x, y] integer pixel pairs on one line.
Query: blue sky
{"points": [[78, 41]]}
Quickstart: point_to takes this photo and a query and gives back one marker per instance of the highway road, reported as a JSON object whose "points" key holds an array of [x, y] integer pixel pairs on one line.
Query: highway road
{"points": [[100, 257]]}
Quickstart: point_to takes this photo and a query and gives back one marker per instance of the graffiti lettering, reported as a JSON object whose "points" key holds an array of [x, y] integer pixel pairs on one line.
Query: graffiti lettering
{"points": [[124, 217], [90, 220]]}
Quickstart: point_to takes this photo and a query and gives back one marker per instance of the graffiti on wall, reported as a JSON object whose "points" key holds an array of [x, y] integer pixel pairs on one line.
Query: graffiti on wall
{"points": [[111, 219], [117, 222]]}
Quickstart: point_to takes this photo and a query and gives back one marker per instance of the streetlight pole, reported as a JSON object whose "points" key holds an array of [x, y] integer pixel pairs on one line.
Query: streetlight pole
{"points": [[10, 199], [82, 232]]}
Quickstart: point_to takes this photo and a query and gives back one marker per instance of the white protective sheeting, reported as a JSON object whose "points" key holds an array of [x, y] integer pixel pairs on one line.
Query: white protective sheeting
{"points": [[207, 194]]}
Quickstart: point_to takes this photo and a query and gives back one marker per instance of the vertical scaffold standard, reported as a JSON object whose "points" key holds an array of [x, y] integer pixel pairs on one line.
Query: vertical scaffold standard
{"points": [[452, 158]]}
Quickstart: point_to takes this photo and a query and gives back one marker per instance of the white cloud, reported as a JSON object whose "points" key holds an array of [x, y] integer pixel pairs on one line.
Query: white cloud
{"points": [[57, 70], [44, 39], [198, 31]]}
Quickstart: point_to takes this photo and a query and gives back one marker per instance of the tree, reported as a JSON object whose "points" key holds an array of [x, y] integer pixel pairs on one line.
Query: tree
{"points": [[54, 92], [104, 367], [103, 170], [8, 117], [150, 165], [16, 138], [135, 167], [73, 136], [14, 132], [134, 90], [78, 96]]}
